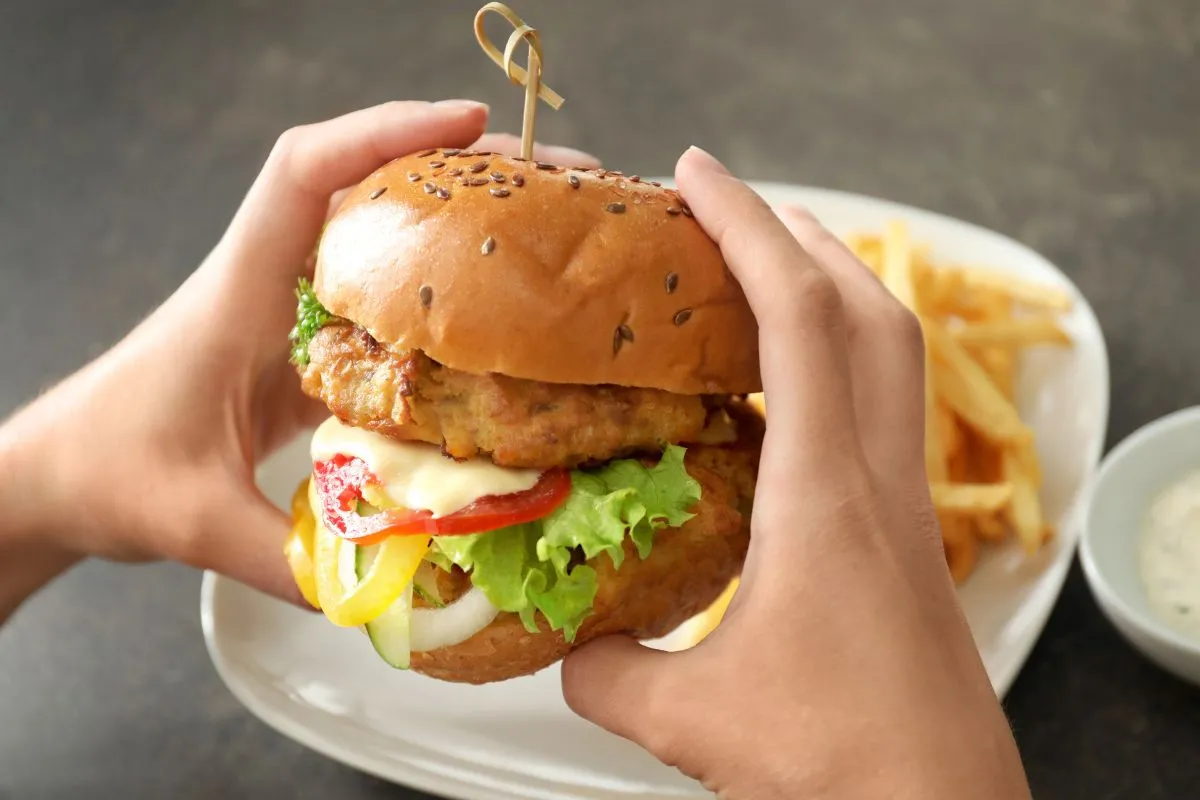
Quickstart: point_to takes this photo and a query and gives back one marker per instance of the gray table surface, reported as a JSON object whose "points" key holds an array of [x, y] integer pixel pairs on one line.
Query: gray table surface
{"points": [[129, 130]]}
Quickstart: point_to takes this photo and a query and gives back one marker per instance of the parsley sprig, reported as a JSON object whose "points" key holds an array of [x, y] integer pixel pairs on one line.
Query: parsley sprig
{"points": [[311, 316]]}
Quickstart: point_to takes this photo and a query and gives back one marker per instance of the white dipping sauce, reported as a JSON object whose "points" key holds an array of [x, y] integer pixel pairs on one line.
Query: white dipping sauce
{"points": [[1170, 555]]}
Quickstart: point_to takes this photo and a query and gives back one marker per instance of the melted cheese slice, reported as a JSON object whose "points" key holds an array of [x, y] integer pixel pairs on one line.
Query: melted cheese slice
{"points": [[416, 475]]}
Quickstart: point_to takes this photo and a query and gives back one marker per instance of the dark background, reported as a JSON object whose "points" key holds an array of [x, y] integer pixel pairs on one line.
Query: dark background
{"points": [[129, 131]]}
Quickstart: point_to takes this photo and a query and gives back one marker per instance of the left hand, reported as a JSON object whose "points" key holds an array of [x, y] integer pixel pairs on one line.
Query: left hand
{"points": [[149, 452]]}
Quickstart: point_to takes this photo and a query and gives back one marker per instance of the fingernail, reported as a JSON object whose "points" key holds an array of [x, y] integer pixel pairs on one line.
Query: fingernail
{"points": [[705, 160], [460, 105]]}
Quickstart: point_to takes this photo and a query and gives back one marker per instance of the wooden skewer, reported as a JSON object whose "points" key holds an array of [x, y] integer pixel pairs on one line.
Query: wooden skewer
{"points": [[530, 78]]}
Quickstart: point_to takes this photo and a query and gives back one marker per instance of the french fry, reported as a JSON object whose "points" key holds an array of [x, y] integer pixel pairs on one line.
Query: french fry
{"points": [[1025, 510], [962, 550], [985, 461], [952, 437], [896, 272], [758, 402], [1027, 455], [897, 267], [1000, 365], [990, 528], [1026, 293], [970, 498], [966, 387], [1019, 332]]}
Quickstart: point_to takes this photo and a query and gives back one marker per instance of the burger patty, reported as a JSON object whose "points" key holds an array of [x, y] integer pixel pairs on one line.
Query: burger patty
{"points": [[686, 571], [518, 423]]}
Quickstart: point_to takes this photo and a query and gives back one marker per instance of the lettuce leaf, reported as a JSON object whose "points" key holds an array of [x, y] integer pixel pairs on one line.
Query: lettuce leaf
{"points": [[525, 569]]}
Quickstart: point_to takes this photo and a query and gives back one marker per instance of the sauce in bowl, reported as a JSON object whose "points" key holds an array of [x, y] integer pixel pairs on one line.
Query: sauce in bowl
{"points": [[1170, 555]]}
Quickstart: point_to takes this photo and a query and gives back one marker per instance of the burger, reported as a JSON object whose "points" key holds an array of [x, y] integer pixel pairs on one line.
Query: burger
{"points": [[539, 433]]}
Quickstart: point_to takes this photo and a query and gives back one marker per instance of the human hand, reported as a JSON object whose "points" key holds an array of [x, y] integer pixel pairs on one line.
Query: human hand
{"points": [[149, 452], [844, 666]]}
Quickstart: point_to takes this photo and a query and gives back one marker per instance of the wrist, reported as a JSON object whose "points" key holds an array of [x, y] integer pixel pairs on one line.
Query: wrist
{"points": [[31, 552], [17, 524]]}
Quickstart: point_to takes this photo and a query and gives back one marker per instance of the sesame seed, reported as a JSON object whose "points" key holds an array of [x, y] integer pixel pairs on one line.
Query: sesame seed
{"points": [[489, 244], [615, 208], [429, 188], [425, 293], [518, 180], [498, 177], [479, 181], [500, 192], [672, 282], [437, 164], [673, 211], [682, 316], [655, 184], [478, 166], [442, 193], [626, 332], [425, 153], [573, 180], [378, 192], [455, 172], [413, 177], [451, 153], [636, 179], [544, 165], [687, 212], [615, 172]]}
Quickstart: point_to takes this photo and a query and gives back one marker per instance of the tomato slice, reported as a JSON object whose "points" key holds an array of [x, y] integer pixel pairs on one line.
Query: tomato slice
{"points": [[340, 482]]}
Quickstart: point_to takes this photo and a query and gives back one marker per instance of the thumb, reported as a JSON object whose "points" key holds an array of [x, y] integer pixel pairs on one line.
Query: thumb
{"points": [[622, 686], [243, 539]]}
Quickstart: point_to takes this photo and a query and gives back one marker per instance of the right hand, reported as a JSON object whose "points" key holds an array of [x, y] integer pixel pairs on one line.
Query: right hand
{"points": [[844, 666]]}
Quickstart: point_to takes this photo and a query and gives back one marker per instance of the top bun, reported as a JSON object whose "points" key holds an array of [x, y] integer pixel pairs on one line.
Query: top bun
{"points": [[488, 263]]}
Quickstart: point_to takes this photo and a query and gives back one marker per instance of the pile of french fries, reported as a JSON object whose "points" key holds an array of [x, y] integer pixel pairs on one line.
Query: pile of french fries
{"points": [[984, 473]]}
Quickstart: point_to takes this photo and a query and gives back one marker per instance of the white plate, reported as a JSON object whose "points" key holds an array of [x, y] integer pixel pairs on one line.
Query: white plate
{"points": [[325, 688]]}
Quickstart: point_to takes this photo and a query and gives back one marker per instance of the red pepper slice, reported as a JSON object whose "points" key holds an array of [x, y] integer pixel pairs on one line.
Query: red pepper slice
{"points": [[340, 481]]}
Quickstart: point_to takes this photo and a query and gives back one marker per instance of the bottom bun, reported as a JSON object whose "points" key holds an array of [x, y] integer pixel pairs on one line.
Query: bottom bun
{"points": [[686, 572]]}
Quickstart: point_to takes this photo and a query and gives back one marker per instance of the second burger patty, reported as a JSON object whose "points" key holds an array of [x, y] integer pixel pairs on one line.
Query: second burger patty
{"points": [[519, 423]]}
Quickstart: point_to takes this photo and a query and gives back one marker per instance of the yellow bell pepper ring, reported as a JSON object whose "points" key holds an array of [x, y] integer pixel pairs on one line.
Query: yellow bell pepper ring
{"points": [[393, 569], [298, 547]]}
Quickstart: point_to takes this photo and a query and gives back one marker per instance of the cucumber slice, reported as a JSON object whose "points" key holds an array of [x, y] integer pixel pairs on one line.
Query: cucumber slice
{"points": [[425, 585], [348, 555], [389, 632], [364, 557]]}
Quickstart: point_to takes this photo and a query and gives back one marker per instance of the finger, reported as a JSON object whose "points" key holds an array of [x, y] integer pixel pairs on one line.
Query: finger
{"points": [[335, 202], [283, 409], [509, 145], [617, 684], [861, 289], [887, 352], [802, 337], [242, 536], [288, 202]]}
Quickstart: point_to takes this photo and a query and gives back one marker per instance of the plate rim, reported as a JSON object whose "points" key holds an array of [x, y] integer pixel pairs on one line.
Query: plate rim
{"points": [[439, 783]]}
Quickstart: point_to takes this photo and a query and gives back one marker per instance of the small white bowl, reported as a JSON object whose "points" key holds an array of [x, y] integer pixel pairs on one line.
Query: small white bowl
{"points": [[1130, 479]]}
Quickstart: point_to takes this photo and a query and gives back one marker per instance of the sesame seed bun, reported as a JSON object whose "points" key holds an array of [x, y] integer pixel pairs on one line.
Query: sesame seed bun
{"points": [[494, 264]]}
